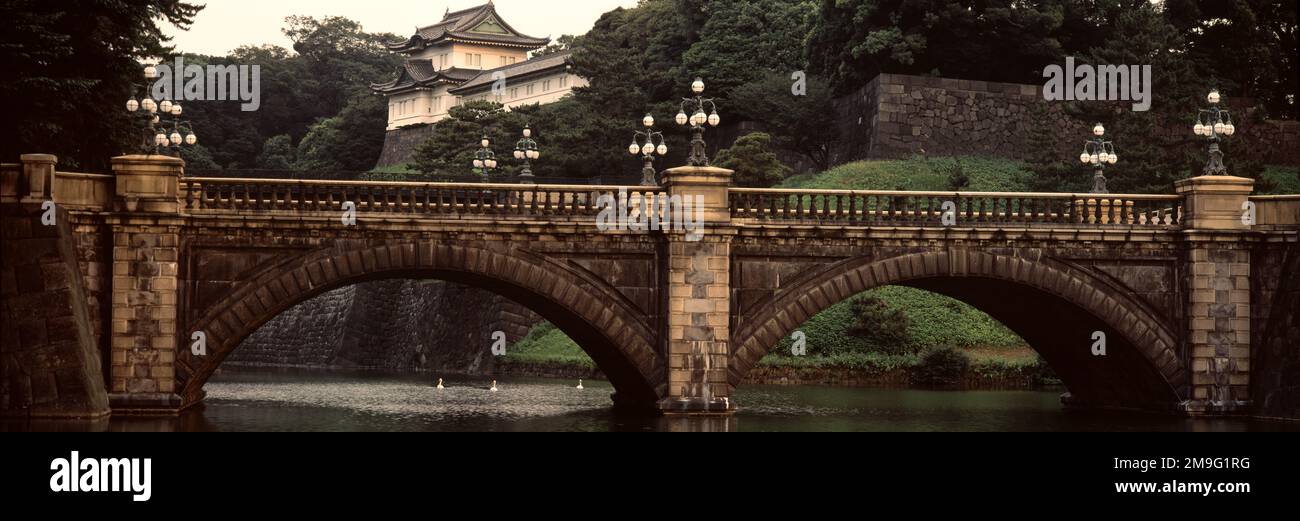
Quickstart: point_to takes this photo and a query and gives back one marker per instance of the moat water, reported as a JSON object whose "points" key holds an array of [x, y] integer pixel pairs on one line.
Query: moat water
{"points": [[280, 401]]}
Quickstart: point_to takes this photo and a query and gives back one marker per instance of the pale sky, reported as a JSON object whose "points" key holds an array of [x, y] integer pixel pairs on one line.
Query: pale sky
{"points": [[227, 24]]}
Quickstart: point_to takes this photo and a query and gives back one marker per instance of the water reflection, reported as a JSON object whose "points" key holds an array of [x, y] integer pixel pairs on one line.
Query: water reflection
{"points": [[362, 402]]}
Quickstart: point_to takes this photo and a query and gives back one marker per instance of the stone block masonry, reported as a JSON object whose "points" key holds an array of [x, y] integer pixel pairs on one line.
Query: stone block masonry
{"points": [[400, 145], [1219, 293], [698, 310], [897, 116], [1220, 327], [144, 326], [396, 325], [49, 358], [699, 298], [143, 332]]}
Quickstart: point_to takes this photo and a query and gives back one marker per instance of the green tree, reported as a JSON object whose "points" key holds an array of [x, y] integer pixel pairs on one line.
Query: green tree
{"points": [[342, 58], [884, 328], [277, 153], [325, 75], [958, 180], [994, 40], [314, 151], [350, 141], [1150, 160], [1248, 46], [941, 367], [198, 157], [568, 132], [756, 166], [799, 120], [632, 57], [745, 41], [1129, 32], [450, 149], [561, 44], [69, 70]]}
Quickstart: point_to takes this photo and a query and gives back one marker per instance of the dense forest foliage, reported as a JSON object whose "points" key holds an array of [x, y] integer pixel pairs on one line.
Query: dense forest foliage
{"points": [[778, 63]]}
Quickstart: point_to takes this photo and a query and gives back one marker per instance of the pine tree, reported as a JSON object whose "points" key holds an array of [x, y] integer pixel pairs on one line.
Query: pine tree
{"points": [[70, 69], [755, 165]]}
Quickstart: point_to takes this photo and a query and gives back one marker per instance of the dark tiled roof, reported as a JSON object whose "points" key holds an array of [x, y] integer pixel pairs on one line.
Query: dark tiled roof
{"points": [[420, 70], [458, 26], [460, 75], [421, 73], [517, 70]]}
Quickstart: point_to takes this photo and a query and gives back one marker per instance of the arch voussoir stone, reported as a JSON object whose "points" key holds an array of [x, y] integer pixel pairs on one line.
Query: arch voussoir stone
{"points": [[614, 329], [786, 309]]}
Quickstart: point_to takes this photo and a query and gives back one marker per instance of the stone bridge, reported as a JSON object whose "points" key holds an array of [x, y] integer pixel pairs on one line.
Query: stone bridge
{"points": [[107, 290]]}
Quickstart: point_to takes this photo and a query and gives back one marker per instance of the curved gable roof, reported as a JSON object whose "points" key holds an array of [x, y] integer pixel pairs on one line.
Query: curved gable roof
{"points": [[421, 73], [460, 25]]}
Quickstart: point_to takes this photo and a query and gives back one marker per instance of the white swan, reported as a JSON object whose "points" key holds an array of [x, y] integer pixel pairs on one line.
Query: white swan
{"points": [[494, 386], [579, 384], [440, 384]]}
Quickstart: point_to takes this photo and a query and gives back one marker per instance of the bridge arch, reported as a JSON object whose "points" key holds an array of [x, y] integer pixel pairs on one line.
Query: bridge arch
{"points": [[597, 317], [1142, 369]]}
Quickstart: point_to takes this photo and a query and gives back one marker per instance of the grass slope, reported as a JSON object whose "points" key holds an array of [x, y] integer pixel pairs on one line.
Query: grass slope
{"points": [[547, 344]]}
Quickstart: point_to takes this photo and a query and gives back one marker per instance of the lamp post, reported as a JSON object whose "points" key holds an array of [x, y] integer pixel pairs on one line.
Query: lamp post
{"points": [[526, 150], [484, 159], [699, 155], [1212, 123], [157, 138], [1098, 153], [644, 143]]}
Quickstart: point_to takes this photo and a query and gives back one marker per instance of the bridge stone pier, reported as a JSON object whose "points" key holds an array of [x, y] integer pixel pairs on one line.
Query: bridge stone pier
{"points": [[149, 279]]}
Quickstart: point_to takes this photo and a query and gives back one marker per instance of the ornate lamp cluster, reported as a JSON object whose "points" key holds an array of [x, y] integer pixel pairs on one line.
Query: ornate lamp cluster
{"points": [[1099, 153], [647, 143], [485, 160], [526, 150], [698, 120], [1212, 123], [157, 138]]}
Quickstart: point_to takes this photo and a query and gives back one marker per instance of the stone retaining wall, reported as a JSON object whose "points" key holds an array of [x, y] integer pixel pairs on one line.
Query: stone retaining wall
{"points": [[400, 145], [396, 325], [897, 116], [49, 357], [1276, 330]]}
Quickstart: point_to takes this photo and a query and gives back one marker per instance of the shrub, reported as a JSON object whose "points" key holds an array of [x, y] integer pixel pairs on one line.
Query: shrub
{"points": [[957, 178], [885, 328], [941, 367], [756, 166]]}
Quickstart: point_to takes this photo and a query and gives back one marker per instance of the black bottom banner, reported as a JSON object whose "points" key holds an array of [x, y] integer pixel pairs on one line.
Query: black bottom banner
{"points": [[125, 473]]}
